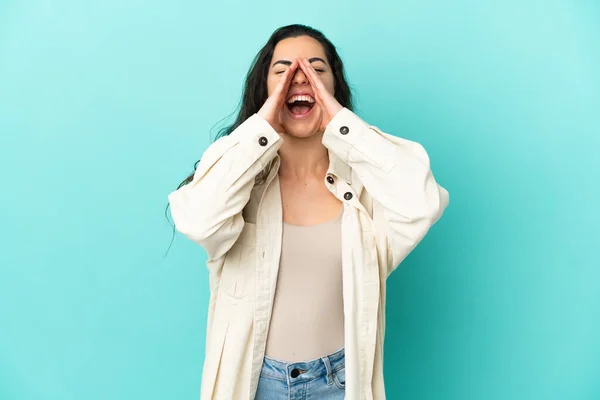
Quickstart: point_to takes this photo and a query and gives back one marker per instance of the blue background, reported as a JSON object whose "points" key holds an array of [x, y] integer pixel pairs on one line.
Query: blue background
{"points": [[105, 106]]}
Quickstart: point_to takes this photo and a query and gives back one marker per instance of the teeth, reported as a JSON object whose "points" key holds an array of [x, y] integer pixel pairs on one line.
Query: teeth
{"points": [[301, 98]]}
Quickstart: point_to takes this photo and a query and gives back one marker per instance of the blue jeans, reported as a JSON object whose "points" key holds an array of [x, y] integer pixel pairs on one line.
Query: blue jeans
{"points": [[321, 378]]}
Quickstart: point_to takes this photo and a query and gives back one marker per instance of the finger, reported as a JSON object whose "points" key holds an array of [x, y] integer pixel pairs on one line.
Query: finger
{"points": [[321, 93], [292, 72], [284, 84], [303, 65], [286, 79], [316, 83], [311, 80], [326, 98], [312, 75]]}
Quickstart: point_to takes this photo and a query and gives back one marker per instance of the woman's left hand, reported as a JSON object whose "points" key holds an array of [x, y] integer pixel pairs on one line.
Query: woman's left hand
{"points": [[329, 105]]}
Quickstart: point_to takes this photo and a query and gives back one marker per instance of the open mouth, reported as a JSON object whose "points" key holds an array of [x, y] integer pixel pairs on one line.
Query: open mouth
{"points": [[300, 105]]}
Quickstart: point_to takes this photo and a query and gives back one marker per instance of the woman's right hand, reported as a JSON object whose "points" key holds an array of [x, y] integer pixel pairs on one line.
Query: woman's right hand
{"points": [[273, 107]]}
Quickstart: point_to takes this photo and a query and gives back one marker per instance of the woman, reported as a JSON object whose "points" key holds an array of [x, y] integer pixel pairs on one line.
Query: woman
{"points": [[304, 210]]}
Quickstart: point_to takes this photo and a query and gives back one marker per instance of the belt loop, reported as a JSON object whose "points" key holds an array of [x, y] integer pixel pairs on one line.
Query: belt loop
{"points": [[328, 368]]}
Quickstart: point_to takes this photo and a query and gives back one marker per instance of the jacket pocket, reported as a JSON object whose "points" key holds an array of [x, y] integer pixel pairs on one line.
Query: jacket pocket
{"points": [[237, 277]]}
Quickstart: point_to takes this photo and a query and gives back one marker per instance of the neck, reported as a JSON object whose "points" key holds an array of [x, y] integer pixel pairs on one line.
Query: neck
{"points": [[303, 158]]}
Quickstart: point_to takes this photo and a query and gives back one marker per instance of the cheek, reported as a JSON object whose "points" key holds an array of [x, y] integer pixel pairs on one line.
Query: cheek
{"points": [[271, 84], [331, 88], [329, 84]]}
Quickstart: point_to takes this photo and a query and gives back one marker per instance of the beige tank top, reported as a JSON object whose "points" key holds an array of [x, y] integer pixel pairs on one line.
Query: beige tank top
{"points": [[308, 311]]}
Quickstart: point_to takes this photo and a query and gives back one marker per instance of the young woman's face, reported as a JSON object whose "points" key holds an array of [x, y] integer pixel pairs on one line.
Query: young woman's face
{"points": [[301, 119]]}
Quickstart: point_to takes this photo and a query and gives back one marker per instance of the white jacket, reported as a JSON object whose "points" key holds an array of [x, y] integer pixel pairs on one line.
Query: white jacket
{"points": [[390, 197]]}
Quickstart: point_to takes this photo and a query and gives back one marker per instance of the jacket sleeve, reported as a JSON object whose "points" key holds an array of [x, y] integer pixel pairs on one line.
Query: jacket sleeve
{"points": [[208, 210], [407, 200]]}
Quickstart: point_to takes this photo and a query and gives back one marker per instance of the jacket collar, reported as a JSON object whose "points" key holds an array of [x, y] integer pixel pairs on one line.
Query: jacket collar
{"points": [[339, 168]]}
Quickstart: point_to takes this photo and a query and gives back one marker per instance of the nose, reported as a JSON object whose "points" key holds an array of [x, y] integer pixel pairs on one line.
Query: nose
{"points": [[300, 78]]}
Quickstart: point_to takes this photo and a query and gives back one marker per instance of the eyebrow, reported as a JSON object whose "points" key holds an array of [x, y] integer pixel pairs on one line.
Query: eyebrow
{"points": [[288, 63]]}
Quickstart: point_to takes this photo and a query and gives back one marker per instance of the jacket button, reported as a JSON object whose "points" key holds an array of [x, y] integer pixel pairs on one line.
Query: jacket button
{"points": [[330, 179], [263, 141], [348, 196], [295, 373], [344, 130]]}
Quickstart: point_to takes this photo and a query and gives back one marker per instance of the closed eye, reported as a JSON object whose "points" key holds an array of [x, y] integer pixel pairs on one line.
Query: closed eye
{"points": [[316, 69]]}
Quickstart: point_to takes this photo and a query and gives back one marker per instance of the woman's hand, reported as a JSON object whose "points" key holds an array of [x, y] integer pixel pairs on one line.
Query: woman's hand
{"points": [[272, 109], [329, 105]]}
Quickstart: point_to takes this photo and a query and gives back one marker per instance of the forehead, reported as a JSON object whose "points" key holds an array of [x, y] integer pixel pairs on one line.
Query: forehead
{"points": [[302, 46]]}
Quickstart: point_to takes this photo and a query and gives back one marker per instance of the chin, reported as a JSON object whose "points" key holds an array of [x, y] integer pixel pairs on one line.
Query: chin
{"points": [[303, 128]]}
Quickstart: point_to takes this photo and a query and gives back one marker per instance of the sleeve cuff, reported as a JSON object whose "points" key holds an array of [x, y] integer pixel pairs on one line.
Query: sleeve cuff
{"points": [[260, 133], [354, 140], [342, 133], [348, 122]]}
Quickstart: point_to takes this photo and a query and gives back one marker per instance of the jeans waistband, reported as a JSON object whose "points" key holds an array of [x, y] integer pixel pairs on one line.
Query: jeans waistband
{"points": [[305, 370]]}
